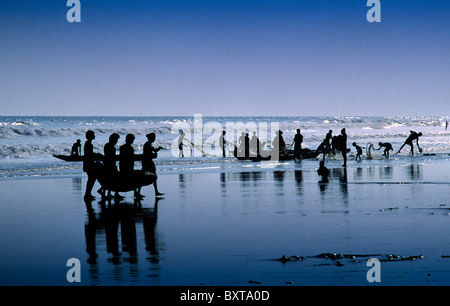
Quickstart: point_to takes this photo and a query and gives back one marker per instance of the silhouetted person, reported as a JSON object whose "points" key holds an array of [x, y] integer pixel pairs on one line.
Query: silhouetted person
{"points": [[322, 147], [241, 143], [76, 148], [334, 144], [278, 143], [254, 144], [247, 144], [446, 125], [342, 144], [126, 160], [109, 162], [222, 143], [328, 140], [409, 141], [359, 151], [298, 140], [89, 165], [149, 154], [181, 144], [387, 147], [323, 172]]}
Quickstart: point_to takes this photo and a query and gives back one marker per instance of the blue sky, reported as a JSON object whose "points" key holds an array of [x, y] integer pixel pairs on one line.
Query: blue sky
{"points": [[235, 57]]}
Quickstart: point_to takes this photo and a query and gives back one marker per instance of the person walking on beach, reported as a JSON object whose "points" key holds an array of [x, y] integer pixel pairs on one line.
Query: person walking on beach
{"points": [[149, 154], [409, 141], [342, 145], [126, 160], [446, 125], [181, 144], [359, 151], [109, 162], [298, 140], [76, 148], [126, 157], [222, 143], [387, 147], [89, 165]]}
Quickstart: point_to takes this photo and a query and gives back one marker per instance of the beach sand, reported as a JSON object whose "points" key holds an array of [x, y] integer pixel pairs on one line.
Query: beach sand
{"points": [[229, 228]]}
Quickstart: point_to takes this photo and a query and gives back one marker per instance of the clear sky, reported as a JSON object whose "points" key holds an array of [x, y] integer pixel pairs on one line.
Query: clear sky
{"points": [[225, 57]]}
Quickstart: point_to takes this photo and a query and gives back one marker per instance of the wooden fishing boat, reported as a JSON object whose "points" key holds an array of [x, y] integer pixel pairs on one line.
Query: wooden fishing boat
{"points": [[97, 157], [125, 183], [287, 155]]}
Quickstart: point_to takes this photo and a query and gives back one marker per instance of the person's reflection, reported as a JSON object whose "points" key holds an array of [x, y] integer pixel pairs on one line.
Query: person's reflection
{"points": [[245, 178], [128, 230], [415, 172], [278, 177], [127, 216], [182, 181], [76, 184], [89, 231], [299, 179], [223, 180], [112, 220], [323, 188], [223, 184], [359, 173], [344, 184], [149, 221], [386, 172]]}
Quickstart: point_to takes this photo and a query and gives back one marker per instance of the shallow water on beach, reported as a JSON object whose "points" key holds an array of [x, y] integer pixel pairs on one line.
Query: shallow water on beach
{"points": [[229, 227]]}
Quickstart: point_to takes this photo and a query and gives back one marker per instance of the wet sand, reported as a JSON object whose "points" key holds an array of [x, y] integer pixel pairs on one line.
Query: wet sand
{"points": [[232, 228]]}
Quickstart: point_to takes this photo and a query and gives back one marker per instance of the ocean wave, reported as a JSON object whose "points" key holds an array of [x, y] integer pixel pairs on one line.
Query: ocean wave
{"points": [[42, 136], [7, 132]]}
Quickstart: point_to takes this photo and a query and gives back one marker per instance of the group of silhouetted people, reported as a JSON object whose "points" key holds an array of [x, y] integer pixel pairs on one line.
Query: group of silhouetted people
{"points": [[334, 144], [331, 144], [109, 168]]}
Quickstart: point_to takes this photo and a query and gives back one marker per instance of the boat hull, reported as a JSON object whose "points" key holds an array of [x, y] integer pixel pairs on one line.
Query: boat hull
{"points": [[288, 155], [97, 157], [125, 183]]}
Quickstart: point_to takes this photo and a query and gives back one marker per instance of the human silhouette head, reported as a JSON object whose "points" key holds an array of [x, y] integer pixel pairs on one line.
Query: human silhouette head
{"points": [[151, 137], [90, 135], [129, 139], [113, 138], [298, 131], [354, 144]]}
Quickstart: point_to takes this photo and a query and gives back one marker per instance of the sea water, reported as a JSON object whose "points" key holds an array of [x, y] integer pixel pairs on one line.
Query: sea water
{"points": [[224, 221], [27, 143]]}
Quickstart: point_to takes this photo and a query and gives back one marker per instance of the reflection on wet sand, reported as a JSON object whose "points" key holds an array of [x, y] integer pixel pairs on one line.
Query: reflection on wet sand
{"points": [[116, 226], [299, 180], [414, 171]]}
